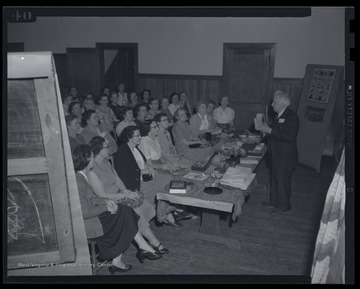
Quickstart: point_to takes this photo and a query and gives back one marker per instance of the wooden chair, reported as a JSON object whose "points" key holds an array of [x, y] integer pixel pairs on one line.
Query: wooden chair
{"points": [[93, 256]]}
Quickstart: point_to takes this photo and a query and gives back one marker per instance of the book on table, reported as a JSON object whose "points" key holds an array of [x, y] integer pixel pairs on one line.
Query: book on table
{"points": [[239, 177], [203, 165], [177, 187]]}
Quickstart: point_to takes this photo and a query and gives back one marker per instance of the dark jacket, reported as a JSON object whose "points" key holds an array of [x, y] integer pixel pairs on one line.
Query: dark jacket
{"points": [[127, 167], [283, 136]]}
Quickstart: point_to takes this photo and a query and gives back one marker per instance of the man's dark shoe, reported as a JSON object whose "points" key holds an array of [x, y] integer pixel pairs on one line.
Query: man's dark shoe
{"points": [[279, 211], [268, 205]]}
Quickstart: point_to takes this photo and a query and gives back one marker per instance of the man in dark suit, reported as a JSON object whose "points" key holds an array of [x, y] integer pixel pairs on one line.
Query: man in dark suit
{"points": [[283, 152]]}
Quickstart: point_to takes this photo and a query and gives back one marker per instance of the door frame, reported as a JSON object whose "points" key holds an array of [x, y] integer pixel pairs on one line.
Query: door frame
{"points": [[112, 45], [263, 46]]}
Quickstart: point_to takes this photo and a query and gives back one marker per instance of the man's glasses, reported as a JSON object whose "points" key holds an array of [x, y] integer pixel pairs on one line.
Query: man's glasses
{"points": [[164, 119], [136, 135]]}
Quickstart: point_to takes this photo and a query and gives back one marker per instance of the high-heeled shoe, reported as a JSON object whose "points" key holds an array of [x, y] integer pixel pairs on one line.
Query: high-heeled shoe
{"points": [[142, 255], [160, 251], [113, 269]]}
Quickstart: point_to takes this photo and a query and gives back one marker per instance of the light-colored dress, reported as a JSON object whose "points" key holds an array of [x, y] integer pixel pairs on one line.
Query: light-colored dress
{"points": [[106, 174], [172, 107], [181, 131], [152, 151], [88, 134], [222, 116], [122, 125], [106, 117]]}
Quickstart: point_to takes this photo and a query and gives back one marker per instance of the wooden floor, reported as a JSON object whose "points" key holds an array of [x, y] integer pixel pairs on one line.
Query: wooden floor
{"points": [[271, 245]]}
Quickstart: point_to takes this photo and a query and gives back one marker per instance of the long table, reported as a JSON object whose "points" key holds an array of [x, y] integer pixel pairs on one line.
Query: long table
{"points": [[229, 201]]}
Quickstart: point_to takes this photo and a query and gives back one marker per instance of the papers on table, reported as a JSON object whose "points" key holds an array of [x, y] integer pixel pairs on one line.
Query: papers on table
{"points": [[239, 177], [196, 176], [251, 160]]}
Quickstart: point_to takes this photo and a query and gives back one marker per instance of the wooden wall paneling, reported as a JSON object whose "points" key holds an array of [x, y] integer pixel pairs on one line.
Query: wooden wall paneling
{"points": [[84, 69], [197, 87]]}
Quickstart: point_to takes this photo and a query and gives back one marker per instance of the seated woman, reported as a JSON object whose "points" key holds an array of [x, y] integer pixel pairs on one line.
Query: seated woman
{"points": [[90, 123], [165, 109], [106, 183], [141, 111], [224, 115], [174, 102], [133, 101], [187, 144], [154, 108], [106, 115], [113, 226], [200, 123], [151, 150], [145, 96], [168, 150], [128, 119], [130, 164], [75, 109], [89, 103], [73, 128], [184, 102]]}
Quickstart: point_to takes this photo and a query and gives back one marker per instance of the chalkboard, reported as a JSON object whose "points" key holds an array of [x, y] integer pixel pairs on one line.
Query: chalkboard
{"points": [[39, 223], [24, 131], [30, 220]]}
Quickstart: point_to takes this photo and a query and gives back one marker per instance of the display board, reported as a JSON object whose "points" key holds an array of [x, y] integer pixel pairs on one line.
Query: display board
{"points": [[321, 113], [40, 221]]}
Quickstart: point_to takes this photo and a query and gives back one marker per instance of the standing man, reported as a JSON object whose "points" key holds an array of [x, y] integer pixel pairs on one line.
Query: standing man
{"points": [[283, 151]]}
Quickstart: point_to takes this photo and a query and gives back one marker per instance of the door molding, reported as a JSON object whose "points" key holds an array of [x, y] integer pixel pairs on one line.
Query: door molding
{"points": [[118, 45]]}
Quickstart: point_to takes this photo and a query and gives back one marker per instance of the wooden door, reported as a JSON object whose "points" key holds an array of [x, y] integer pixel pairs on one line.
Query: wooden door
{"points": [[248, 71], [121, 66], [61, 67], [84, 70]]}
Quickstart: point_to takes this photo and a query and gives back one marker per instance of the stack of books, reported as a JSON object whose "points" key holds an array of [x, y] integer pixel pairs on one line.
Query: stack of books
{"points": [[177, 187], [257, 151], [250, 160], [239, 177]]}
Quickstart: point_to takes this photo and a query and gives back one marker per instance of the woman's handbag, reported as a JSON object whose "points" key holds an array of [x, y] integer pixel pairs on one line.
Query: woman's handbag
{"points": [[132, 202]]}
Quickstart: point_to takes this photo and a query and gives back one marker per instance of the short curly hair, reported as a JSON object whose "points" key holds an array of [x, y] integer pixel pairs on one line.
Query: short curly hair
{"points": [[86, 116], [96, 144], [146, 127], [81, 156], [128, 133]]}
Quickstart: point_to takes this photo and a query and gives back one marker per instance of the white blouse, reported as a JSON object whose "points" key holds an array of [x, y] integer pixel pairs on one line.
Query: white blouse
{"points": [[138, 157], [223, 116], [204, 122], [150, 148]]}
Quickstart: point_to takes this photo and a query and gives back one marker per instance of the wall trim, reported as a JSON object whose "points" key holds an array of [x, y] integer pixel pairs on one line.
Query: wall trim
{"points": [[180, 76]]}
